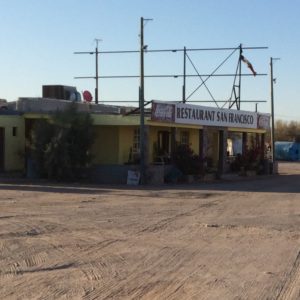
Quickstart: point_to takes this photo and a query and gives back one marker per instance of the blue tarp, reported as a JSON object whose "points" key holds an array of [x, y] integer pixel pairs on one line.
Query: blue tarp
{"points": [[287, 151]]}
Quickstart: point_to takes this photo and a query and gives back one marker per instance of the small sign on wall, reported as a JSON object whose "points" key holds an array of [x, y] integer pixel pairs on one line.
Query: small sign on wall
{"points": [[133, 177], [163, 112], [263, 121]]}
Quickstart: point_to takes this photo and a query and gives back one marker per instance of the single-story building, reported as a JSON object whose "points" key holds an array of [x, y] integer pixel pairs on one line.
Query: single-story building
{"points": [[12, 141], [207, 131]]}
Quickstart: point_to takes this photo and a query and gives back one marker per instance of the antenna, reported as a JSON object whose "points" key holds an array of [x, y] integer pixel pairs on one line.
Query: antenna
{"points": [[97, 41]]}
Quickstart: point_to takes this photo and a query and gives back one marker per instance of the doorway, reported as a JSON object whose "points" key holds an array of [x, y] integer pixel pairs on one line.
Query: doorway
{"points": [[164, 142]]}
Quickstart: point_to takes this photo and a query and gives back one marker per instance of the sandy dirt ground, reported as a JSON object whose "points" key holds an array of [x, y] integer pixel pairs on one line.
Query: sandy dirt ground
{"points": [[225, 240]]}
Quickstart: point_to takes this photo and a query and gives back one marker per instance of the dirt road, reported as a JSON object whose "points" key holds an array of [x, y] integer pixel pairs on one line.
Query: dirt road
{"points": [[227, 240]]}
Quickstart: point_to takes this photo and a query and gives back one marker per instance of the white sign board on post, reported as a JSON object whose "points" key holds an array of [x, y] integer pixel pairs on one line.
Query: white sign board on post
{"points": [[133, 177]]}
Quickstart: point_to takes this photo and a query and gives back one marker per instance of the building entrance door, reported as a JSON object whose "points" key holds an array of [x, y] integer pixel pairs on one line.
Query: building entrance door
{"points": [[164, 142], [163, 146]]}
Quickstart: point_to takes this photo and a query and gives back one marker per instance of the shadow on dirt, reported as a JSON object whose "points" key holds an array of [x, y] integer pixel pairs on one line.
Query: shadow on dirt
{"points": [[267, 184], [50, 187], [271, 184]]}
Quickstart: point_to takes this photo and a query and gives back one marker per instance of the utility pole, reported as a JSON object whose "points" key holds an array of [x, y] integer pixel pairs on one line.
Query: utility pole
{"points": [[141, 104], [96, 54], [272, 110]]}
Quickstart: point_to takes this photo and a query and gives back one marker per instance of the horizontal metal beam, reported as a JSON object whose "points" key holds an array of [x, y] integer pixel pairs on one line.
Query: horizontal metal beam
{"points": [[165, 76], [203, 101], [171, 50], [229, 101]]}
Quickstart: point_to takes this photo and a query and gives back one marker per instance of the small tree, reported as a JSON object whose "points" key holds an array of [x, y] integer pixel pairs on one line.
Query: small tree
{"points": [[287, 131], [60, 146]]}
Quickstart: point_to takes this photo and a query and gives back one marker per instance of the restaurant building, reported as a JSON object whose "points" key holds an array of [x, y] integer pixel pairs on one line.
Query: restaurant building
{"points": [[215, 135]]}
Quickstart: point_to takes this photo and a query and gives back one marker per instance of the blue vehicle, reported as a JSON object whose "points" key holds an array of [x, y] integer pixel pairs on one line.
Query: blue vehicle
{"points": [[287, 151]]}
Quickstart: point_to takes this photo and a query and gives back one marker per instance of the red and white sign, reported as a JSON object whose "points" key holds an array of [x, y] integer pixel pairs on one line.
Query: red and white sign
{"points": [[163, 112], [263, 121]]}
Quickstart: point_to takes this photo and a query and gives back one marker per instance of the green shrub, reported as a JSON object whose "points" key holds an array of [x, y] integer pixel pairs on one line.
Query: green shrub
{"points": [[60, 146], [187, 161]]}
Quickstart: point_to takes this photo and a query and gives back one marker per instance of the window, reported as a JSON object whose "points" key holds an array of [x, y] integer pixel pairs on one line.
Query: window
{"points": [[184, 138], [14, 131]]}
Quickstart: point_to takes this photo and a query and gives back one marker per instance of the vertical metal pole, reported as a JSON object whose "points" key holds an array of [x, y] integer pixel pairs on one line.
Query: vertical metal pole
{"points": [[184, 75], [96, 89], [141, 104], [238, 104], [272, 111]]}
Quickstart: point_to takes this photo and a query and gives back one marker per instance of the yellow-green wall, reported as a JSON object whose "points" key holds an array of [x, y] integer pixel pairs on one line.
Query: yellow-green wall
{"points": [[126, 135], [194, 139], [112, 144], [106, 145], [114, 139], [13, 145]]}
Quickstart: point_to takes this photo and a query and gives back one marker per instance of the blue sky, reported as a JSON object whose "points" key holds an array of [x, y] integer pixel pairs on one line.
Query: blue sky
{"points": [[39, 38]]}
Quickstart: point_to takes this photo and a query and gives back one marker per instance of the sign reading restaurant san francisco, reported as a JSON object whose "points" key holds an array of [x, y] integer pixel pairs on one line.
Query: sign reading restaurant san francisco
{"points": [[202, 115]]}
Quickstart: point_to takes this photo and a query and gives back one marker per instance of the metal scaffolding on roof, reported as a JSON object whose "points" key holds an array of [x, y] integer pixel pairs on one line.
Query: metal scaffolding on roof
{"points": [[235, 97]]}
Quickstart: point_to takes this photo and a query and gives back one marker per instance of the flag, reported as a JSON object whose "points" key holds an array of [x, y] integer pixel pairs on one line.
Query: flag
{"points": [[249, 65]]}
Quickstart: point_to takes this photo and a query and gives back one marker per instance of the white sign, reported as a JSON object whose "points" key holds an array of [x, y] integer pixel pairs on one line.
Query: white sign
{"points": [[133, 177], [209, 116]]}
